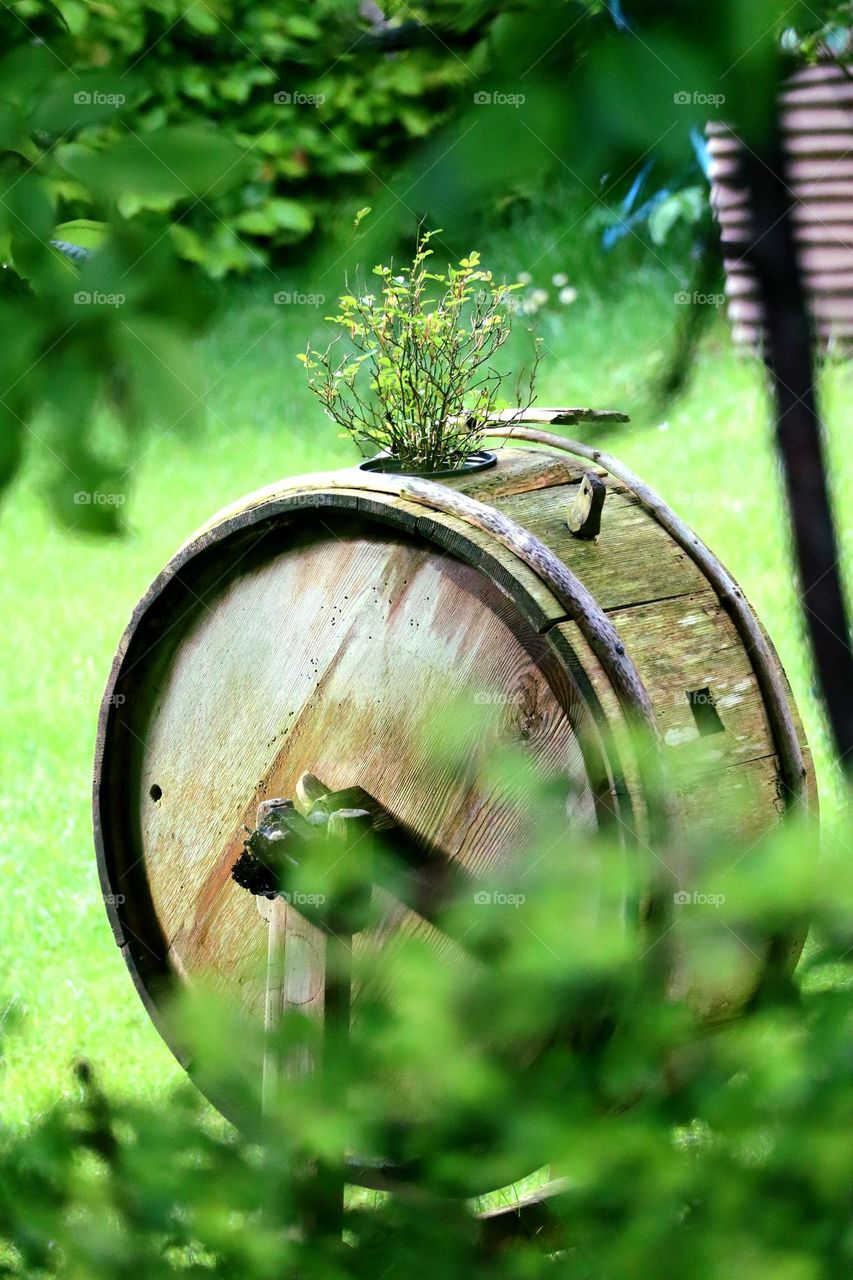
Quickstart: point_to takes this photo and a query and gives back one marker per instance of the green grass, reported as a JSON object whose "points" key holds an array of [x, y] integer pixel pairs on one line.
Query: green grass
{"points": [[66, 599]]}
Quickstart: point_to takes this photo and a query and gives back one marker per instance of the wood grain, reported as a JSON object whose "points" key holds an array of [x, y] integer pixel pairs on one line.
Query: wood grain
{"points": [[390, 645]]}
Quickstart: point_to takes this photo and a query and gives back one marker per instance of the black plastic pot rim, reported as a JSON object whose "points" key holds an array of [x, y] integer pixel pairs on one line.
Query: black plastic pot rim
{"points": [[477, 460]]}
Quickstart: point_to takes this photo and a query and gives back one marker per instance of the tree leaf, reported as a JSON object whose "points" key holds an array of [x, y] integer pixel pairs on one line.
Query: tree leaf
{"points": [[164, 165]]}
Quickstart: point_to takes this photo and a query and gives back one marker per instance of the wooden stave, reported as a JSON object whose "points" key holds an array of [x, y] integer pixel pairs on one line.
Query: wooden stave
{"points": [[768, 667]]}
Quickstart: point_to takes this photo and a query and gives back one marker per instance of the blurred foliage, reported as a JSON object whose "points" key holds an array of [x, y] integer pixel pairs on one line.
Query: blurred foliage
{"points": [[138, 139], [564, 89], [683, 1148], [287, 84], [825, 34], [108, 328], [134, 137]]}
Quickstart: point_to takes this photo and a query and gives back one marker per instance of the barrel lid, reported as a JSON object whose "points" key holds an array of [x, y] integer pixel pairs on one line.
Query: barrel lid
{"points": [[323, 631]]}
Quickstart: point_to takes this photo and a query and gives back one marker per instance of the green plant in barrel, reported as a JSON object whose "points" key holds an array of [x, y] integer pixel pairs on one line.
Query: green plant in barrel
{"points": [[414, 377]]}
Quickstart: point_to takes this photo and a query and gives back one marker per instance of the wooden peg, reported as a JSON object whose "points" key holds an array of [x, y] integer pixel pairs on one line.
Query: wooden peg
{"points": [[584, 515], [355, 798], [308, 790], [348, 825]]}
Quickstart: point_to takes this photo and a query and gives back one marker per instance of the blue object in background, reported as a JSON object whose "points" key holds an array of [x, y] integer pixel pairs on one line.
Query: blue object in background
{"points": [[632, 214], [614, 8]]}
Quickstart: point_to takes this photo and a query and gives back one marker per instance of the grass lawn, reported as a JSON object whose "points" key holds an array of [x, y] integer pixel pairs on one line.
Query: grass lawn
{"points": [[66, 599]]}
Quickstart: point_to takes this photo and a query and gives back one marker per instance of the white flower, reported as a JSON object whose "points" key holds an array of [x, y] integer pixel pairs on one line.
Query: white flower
{"points": [[399, 279], [567, 295], [524, 277], [559, 280], [539, 296], [368, 300]]}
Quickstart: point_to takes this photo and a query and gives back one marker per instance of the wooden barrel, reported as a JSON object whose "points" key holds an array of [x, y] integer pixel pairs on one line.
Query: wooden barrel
{"points": [[816, 115], [335, 623]]}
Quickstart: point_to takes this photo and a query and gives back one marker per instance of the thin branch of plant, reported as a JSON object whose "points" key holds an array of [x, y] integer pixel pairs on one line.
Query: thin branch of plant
{"points": [[411, 373]]}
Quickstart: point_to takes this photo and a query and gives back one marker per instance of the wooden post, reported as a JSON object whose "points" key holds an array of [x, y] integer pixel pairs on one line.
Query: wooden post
{"points": [[325, 1208], [295, 979], [309, 965], [295, 964], [341, 918]]}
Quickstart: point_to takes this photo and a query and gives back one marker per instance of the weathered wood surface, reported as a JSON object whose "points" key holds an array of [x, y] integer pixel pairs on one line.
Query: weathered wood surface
{"points": [[447, 531], [633, 559], [351, 655], [567, 588], [684, 645], [687, 644], [768, 670]]}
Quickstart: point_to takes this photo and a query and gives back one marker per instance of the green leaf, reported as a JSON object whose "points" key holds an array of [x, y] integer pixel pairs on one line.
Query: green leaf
{"points": [[13, 132], [54, 10], [202, 18], [277, 215], [79, 102], [84, 232], [26, 206], [235, 88], [165, 165], [303, 27]]}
